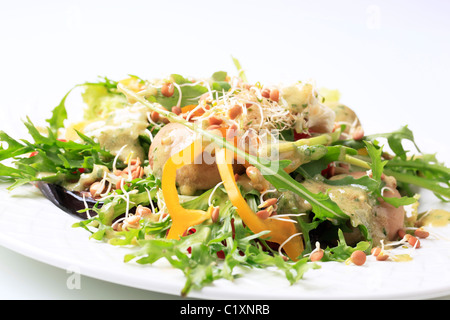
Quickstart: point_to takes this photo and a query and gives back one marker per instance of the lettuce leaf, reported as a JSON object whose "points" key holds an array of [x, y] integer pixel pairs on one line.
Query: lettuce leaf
{"points": [[190, 93], [51, 160], [101, 98]]}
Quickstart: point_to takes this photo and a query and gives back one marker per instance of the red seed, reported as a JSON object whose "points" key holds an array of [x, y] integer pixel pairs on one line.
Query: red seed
{"points": [[382, 257], [234, 111], [270, 202], [221, 254], [96, 188], [420, 233], [176, 110], [274, 95], [154, 116], [316, 255], [266, 93], [263, 214], [414, 242], [167, 89], [358, 257], [214, 121], [375, 251], [215, 215], [143, 212]]}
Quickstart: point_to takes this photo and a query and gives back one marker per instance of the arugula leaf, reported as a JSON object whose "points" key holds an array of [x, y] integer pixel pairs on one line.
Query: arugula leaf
{"points": [[201, 266], [196, 255], [427, 164], [377, 164], [395, 139], [14, 149], [59, 114], [52, 160], [441, 189], [6, 171], [377, 167], [422, 170]]}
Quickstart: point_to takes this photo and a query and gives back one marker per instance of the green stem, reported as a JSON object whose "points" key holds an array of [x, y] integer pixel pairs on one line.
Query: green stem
{"points": [[419, 166], [356, 162], [324, 139], [239, 69]]}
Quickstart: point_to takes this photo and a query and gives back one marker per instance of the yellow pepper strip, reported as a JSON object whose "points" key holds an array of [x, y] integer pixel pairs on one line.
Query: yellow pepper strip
{"points": [[191, 107], [133, 83], [188, 108], [280, 231], [182, 219]]}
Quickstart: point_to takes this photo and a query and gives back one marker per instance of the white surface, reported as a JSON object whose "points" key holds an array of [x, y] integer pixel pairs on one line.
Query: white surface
{"points": [[25, 278], [389, 59]]}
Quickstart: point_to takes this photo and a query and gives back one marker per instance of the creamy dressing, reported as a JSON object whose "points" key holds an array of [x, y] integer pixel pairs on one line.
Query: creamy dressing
{"points": [[301, 155], [435, 218], [290, 202], [401, 257], [43, 175], [121, 128], [302, 99], [298, 96], [86, 179], [353, 200]]}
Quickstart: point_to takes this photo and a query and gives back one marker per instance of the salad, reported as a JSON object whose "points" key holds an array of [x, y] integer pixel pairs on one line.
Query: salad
{"points": [[219, 173]]}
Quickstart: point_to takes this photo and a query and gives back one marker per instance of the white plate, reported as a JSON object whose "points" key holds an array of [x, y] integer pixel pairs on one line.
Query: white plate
{"points": [[32, 226]]}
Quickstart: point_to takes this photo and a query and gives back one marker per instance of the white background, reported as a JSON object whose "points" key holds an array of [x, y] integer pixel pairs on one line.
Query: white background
{"points": [[389, 59]]}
